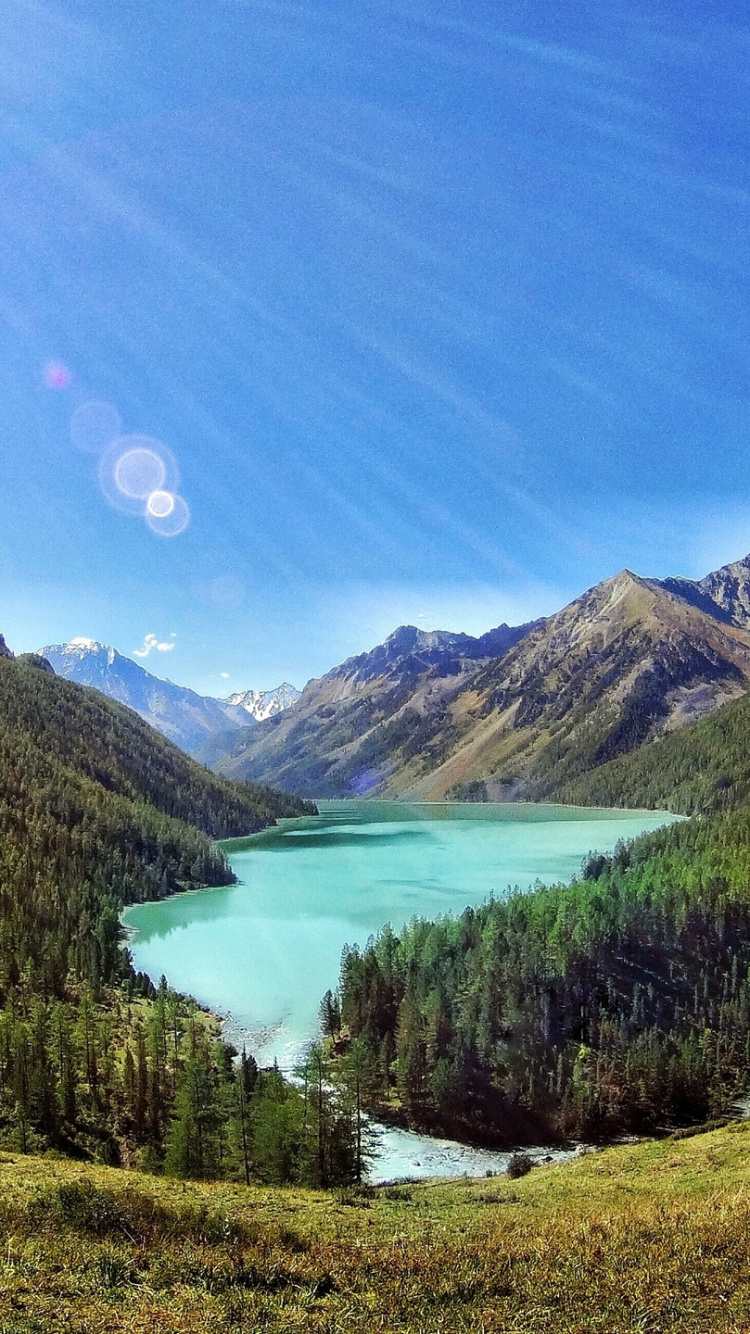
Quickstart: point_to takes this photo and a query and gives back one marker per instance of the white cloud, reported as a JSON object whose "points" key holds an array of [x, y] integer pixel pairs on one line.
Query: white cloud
{"points": [[152, 644], [224, 675]]}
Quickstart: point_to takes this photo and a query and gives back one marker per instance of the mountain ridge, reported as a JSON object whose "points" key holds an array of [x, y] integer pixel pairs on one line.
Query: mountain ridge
{"points": [[430, 714], [190, 720]]}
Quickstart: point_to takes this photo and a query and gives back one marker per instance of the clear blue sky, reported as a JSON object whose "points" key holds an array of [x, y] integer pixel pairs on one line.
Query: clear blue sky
{"points": [[440, 308]]}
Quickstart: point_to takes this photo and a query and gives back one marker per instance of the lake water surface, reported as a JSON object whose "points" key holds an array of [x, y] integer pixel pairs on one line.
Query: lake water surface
{"points": [[266, 949]]}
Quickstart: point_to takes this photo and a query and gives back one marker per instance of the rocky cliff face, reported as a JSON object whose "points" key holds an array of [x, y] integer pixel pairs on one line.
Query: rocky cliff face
{"points": [[4, 650], [729, 589], [520, 710]]}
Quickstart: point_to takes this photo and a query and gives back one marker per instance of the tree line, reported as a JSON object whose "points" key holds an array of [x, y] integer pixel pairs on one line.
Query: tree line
{"points": [[620, 1002]]}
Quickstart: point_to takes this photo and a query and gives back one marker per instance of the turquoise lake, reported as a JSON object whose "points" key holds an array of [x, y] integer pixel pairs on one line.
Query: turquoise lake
{"points": [[266, 949]]}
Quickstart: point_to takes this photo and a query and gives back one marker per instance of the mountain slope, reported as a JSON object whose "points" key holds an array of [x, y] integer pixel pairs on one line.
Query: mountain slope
{"points": [[703, 768], [349, 729], [186, 718], [626, 660], [515, 713], [196, 723]]}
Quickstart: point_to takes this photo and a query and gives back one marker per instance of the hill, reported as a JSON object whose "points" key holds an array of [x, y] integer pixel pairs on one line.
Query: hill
{"points": [[96, 810], [100, 740], [518, 711], [642, 1237], [619, 1002]]}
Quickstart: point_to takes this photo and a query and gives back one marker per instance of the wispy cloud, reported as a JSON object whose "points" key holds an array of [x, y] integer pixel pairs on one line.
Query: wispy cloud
{"points": [[151, 644]]}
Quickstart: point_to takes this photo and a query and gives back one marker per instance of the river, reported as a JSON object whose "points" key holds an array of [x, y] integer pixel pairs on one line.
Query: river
{"points": [[263, 952]]}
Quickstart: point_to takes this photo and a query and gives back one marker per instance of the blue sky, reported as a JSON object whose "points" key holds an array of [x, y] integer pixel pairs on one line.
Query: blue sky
{"points": [[440, 310]]}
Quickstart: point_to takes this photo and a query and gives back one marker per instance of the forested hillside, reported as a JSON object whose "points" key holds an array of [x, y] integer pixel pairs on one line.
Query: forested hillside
{"points": [[109, 744], [97, 810], [620, 1002], [703, 768]]}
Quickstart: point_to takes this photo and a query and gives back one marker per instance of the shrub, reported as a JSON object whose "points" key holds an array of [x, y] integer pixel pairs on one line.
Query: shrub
{"points": [[519, 1165]]}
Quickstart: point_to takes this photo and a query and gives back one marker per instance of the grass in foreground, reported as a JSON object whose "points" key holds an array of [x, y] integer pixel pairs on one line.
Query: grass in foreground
{"points": [[646, 1238]]}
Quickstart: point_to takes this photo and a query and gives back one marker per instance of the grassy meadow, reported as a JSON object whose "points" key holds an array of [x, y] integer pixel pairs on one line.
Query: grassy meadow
{"points": [[640, 1238]]}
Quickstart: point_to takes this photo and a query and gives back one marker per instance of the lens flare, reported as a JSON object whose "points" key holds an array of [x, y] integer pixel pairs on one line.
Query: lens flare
{"points": [[132, 468], [139, 473], [174, 522], [94, 426], [160, 504]]}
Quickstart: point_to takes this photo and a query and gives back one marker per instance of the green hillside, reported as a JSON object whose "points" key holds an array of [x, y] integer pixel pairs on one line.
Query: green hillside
{"points": [[618, 1003], [641, 1239], [97, 810], [704, 767], [111, 745]]}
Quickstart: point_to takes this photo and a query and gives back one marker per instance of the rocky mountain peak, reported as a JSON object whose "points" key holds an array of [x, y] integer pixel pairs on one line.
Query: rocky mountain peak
{"points": [[729, 589], [723, 594], [82, 648], [261, 704]]}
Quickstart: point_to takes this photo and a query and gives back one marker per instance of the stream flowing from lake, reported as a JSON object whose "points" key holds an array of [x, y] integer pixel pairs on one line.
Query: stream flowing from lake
{"points": [[264, 951]]}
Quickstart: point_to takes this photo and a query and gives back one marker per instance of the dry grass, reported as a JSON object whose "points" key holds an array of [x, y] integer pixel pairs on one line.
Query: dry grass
{"points": [[646, 1238]]}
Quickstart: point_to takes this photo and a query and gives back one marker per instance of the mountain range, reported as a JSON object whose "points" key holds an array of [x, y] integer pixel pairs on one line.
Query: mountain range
{"points": [[520, 712], [194, 722]]}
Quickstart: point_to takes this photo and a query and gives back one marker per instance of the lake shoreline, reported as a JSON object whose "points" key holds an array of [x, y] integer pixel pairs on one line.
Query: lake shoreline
{"points": [[353, 867]]}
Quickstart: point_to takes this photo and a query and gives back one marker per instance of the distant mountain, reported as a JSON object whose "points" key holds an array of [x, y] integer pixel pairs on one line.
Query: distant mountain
{"points": [[186, 718], [337, 736], [194, 722], [259, 704], [517, 712]]}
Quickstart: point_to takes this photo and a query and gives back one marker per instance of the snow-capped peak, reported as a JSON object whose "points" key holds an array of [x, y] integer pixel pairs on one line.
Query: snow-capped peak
{"points": [[261, 704], [81, 647], [90, 645]]}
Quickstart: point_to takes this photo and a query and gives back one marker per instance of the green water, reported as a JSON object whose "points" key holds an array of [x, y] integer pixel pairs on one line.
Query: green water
{"points": [[266, 950]]}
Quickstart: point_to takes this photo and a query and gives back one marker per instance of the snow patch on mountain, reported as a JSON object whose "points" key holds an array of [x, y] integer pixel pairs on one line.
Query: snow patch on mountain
{"points": [[262, 704]]}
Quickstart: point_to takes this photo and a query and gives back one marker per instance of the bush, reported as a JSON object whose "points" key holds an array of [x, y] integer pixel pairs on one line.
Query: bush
{"points": [[520, 1165]]}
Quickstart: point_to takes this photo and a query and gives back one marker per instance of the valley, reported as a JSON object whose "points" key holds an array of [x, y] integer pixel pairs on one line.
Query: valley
{"points": [[374, 668], [308, 888], [506, 968]]}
